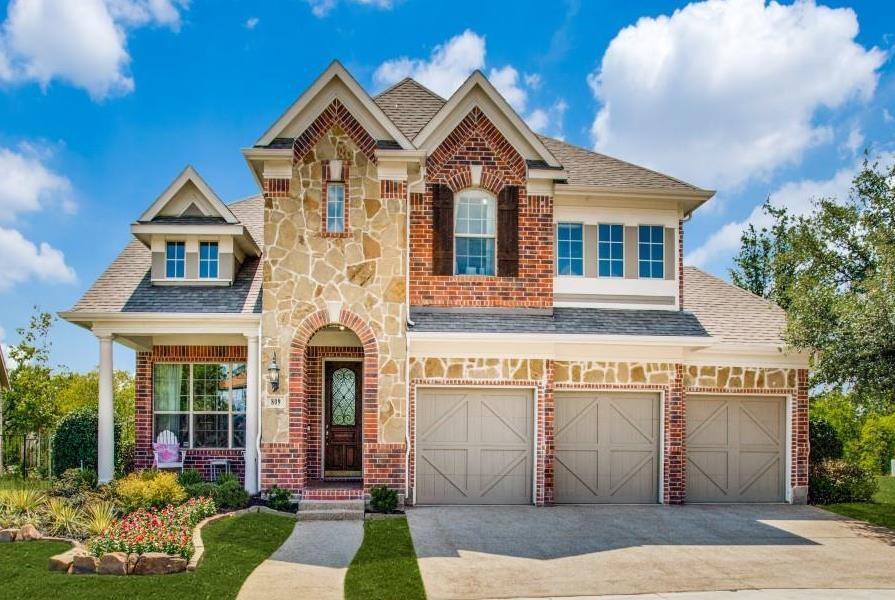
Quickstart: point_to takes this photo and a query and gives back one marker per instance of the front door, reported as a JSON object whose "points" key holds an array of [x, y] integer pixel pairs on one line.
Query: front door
{"points": [[343, 415]]}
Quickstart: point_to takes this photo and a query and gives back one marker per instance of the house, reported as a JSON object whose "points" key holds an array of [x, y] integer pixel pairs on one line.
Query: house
{"points": [[429, 296], [4, 374]]}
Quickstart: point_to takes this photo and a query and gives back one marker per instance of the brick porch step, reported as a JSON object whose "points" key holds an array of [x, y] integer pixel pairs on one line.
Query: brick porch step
{"points": [[330, 510]]}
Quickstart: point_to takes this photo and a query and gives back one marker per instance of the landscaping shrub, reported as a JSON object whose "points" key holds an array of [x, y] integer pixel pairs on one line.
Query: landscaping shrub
{"points": [[834, 480], [63, 517], [197, 490], [149, 489], [74, 482], [383, 499], [190, 477], [875, 447], [230, 494], [99, 516], [168, 530], [279, 499], [74, 443], [824, 440], [124, 458]]}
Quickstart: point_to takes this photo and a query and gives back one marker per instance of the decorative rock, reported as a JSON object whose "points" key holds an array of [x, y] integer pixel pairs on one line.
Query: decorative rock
{"points": [[8, 535], [27, 533], [83, 564], [158, 563], [63, 562], [113, 563], [132, 563]]}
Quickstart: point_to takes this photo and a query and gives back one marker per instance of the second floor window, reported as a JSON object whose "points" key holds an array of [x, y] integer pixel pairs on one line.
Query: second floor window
{"points": [[570, 249], [335, 207], [175, 260], [475, 237], [611, 251], [208, 260], [651, 251]]}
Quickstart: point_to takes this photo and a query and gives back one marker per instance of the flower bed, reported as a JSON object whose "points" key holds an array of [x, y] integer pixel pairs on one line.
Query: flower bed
{"points": [[168, 530]]}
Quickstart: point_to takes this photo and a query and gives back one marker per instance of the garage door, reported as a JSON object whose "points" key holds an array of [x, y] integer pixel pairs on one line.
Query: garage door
{"points": [[606, 448], [735, 449], [474, 446]]}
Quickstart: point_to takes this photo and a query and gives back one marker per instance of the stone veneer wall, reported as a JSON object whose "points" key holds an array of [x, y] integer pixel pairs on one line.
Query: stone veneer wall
{"points": [[195, 458], [364, 271]]}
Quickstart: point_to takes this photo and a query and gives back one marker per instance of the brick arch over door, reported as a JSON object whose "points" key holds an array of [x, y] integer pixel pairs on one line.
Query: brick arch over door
{"points": [[297, 375]]}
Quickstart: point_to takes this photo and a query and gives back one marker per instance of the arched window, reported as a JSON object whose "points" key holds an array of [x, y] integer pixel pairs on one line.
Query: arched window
{"points": [[475, 233]]}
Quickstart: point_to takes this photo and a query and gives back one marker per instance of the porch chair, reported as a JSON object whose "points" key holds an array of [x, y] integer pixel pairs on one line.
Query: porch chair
{"points": [[167, 451]]}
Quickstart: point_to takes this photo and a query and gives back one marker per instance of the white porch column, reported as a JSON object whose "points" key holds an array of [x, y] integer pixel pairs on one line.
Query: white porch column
{"points": [[105, 463], [252, 380]]}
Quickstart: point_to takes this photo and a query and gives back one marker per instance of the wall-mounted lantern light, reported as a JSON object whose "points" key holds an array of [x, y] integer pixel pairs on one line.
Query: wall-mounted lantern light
{"points": [[335, 170], [273, 371]]}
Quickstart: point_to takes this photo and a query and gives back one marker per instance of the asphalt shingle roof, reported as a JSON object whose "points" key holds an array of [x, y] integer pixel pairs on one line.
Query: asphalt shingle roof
{"points": [[409, 105], [564, 320], [731, 314], [125, 286]]}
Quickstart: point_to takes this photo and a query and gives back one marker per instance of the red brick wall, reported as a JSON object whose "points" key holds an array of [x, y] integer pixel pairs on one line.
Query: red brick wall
{"points": [[800, 445], [477, 141], [680, 263], [675, 421], [195, 458], [334, 114]]}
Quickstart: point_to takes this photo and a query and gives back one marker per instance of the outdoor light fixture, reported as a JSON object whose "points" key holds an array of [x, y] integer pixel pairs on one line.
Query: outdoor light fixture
{"points": [[273, 371], [335, 170]]}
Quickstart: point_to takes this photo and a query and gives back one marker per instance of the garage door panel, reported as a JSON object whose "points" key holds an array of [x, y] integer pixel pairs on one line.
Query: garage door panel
{"points": [[606, 448], [474, 446], [735, 449]]}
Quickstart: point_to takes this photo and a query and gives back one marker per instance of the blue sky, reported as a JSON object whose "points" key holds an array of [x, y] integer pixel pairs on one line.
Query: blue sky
{"points": [[103, 102]]}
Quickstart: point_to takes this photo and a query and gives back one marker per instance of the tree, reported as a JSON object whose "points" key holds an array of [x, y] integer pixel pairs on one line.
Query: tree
{"points": [[833, 270], [81, 390]]}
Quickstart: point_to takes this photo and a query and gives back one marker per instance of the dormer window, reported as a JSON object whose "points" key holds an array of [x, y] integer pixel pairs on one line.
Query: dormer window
{"points": [[335, 207], [208, 260], [651, 251], [175, 260], [475, 233], [611, 250]]}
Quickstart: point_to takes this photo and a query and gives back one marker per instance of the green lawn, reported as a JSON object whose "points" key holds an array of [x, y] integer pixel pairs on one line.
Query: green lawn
{"points": [[879, 512], [14, 483], [233, 548], [385, 566]]}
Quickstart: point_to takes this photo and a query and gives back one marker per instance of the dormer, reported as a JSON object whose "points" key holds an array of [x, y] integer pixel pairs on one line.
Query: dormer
{"points": [[194, 238]]}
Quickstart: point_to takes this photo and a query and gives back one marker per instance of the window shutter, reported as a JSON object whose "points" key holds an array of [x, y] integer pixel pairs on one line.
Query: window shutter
{"points": [[442, 230], [508, 232]]}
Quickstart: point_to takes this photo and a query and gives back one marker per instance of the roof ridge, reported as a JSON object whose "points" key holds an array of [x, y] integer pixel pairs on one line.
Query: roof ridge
{"points": [[610, 157], [743, 291], [413, 81]]}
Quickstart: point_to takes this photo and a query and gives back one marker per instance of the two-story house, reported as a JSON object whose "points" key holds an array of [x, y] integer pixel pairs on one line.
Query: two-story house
{"points": [[428, 295]]}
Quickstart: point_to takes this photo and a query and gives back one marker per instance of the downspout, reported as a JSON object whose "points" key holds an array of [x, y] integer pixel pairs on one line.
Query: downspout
{"points": [[410, 323], [259, 392]]}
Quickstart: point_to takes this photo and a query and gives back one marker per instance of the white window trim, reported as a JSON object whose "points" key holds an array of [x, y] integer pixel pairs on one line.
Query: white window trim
{"points": [[175, 260], [326, 208], [474, 235], [622, 276], [216, 261], [661, 261], [583, 249], [190, 412]]}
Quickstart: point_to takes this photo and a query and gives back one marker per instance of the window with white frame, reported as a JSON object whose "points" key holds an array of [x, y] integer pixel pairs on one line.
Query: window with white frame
{"points": [[208, 260], [475, 233], [175, 260], [570, 249], [335, 207], [203, 404], [611, 250], [651, 251]]}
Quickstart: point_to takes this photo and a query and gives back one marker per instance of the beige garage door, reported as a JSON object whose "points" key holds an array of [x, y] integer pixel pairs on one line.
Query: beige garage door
{"points": [[735, 449], [474, 446], [606, 448]]}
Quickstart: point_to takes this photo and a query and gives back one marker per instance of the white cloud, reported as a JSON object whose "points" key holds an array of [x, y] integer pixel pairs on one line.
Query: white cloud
{"points": [[796, 196], [854, 143], [82, 43], [727, 90], [887, 116], [446, 69], [321, 8], [252, 22], [506, 80], [4, 348], [27, 184], [533, 80], [23, 260], [548, 121]]}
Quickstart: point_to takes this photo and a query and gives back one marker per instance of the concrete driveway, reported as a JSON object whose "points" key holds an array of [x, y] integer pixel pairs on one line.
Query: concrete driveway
{"points": [[518, 551]]}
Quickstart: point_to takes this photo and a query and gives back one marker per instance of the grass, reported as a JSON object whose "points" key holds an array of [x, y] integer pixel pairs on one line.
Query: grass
{"points": [[879, 512], [385, 566], [234, 547], [13, 483]]}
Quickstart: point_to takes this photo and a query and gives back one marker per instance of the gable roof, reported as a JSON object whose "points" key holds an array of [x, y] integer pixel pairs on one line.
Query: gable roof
{"points": [[126, 287], [731, 314], [409, 105], [188, 176]]}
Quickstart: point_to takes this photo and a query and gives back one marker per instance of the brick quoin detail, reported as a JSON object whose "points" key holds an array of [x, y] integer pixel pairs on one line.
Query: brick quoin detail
{"points": [[334, 114], [675, 421], [680, 264], [392, 189], [276, 188], [476, 141], [195, 458], [800, 444]]}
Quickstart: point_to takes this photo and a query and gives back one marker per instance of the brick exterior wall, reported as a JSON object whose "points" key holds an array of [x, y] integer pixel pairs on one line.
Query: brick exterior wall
{"points": [[476, 141], [334, 115], [675, 442], [800, 444], [680, 263], [195, 458]]}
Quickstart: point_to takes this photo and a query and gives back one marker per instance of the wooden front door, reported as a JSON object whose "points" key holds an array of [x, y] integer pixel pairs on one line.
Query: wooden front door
{"points": [[343, 419]]}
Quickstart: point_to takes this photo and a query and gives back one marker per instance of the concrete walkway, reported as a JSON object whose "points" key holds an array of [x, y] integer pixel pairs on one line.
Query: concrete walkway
{"points": [[311, 564], [750, 595]]}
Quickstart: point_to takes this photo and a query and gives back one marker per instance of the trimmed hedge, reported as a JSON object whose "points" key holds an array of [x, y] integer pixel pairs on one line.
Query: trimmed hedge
{"points": [[75, 441], [824, 440], [833, 481]]}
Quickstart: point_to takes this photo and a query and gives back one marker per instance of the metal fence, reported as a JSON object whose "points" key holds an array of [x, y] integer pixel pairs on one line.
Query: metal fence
{"points": [[27, 453]]}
